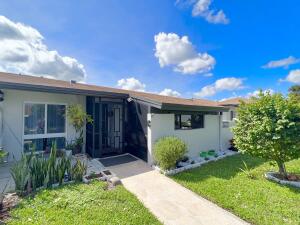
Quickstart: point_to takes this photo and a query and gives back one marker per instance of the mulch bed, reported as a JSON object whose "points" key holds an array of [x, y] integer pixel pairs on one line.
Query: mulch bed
{"points": [[10, 201], [290, 177]]}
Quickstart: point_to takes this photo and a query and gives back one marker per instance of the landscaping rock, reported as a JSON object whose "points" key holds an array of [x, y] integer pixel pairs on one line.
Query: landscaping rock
{"points": [[114, 181], [271, 176]]}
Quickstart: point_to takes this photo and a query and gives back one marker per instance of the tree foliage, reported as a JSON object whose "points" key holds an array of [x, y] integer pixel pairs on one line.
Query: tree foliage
{"points": [[269, 127], [294, 92]]}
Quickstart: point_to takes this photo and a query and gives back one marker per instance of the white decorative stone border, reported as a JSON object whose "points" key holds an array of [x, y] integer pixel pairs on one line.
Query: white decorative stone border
{"points": [[222, 155], [270, 176]]}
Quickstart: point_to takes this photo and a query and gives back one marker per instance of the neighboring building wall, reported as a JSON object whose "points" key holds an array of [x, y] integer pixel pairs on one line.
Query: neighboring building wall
{"points": [[227, 115], [13, 116], [197, 140]]}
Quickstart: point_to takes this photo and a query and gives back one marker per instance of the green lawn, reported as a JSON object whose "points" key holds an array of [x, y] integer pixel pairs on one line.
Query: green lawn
{"points": [[258, 201], [82, 204]]}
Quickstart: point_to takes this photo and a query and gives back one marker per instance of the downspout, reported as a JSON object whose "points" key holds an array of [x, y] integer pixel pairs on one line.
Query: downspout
{"points": [[220, 132], [1, 119]]}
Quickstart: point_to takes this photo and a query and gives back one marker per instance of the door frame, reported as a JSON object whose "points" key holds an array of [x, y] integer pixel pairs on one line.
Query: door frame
{"points": [[90, 147]]}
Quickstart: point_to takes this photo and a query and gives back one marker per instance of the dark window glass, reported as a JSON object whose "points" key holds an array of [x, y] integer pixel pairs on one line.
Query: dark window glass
{"points": [[177, 121], [56, 121], [189, 121], [197, 121], [43, 144], [186, 121], [34, 119]]}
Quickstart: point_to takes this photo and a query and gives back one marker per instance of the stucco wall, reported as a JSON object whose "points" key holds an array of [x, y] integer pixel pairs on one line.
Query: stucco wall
{"points": [[196, 139], [13, 116], [226, 135]]}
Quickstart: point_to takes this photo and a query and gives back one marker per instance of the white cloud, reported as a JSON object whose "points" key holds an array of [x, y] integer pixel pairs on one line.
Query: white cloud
{"points": [[285, 63], [23, 51], [170, 92], [202, 9], [224, 84], [131, 84], [171, 50], [293, 77], [255, 93]]}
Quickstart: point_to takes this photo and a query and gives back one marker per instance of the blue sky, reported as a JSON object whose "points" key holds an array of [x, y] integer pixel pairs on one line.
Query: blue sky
{"points": [[114, 40]]}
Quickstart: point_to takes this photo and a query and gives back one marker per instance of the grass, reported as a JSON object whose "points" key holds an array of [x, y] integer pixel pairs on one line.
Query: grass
{"points": [[82, 204], [257, 200]]}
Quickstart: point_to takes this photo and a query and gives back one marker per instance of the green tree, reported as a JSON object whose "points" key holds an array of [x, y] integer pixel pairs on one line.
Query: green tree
{"points": [[269, 127], [295, 92]]}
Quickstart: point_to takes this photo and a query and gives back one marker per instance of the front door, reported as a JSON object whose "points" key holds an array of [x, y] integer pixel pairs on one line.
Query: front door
{"points": [[105, 135], [111, 129]]}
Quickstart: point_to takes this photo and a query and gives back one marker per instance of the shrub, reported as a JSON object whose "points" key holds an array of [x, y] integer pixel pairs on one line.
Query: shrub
{"points": [[33, 171], [21, 175], [269, 127], [78, 170], [169, 150]]}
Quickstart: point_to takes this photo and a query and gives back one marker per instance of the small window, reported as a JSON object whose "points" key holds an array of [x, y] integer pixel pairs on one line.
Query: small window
{"points": [[43, 144], [43, 125], [185, 122], [197, 121], [56, 122], [232, 115], [34, 119]]}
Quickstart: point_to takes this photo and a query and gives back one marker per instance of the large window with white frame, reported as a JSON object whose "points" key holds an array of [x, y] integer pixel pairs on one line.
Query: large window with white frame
{"points": [[44, 123]]}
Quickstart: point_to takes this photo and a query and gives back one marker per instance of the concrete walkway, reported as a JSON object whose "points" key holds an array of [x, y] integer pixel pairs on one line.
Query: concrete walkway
{"points": [[7, 183], [173, 204]]}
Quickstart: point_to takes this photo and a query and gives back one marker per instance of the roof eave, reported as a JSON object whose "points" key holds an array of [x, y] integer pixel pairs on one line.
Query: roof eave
{"points": [[60, 90], [147, 101], [177, 107]]}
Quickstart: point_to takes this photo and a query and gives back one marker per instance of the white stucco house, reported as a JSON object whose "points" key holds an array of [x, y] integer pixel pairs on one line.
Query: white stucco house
{"points": [[33, 109]]}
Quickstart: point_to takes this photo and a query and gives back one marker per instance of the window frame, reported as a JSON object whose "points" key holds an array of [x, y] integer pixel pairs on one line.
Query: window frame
{"points": [[45, 134], [191, 128], [232, 115]]}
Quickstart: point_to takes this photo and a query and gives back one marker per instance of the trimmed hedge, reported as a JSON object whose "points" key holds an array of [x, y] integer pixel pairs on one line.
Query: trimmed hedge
{"points": [[169, 150]]}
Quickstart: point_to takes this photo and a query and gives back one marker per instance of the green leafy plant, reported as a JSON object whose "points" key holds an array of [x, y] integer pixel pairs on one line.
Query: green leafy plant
{"points": [[78, 118], [169, 150], [78, 170], [21, 174], [38, 171], [294, 92], [62, 167], [3, 154], [273, 128], [247, 171]]}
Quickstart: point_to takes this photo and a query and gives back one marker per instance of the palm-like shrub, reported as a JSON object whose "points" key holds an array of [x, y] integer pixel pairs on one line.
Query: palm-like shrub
{"points": [[20, 172], [169, 150]]}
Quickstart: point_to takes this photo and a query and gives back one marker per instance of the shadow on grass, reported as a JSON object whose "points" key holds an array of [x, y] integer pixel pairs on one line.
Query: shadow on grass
{"points": [[225, 168]]}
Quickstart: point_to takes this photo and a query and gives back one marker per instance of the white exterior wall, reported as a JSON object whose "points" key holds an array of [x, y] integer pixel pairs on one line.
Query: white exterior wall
{"points": [[226, 135], [13, 120], [226, 131], [197, 140]]}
